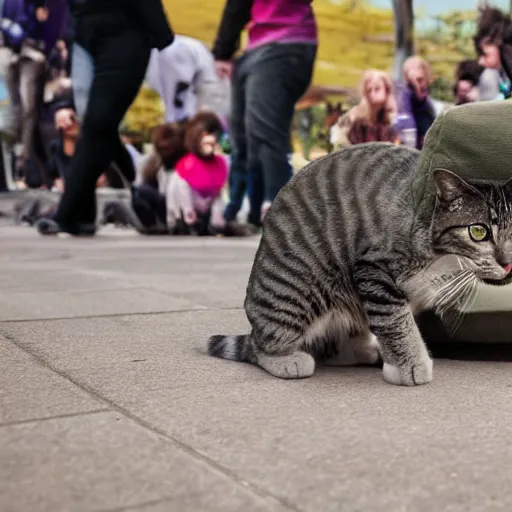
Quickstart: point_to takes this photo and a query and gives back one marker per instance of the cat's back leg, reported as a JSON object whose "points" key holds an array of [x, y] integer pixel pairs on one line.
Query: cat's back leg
{"points": [[277, 336], [280, 352]]}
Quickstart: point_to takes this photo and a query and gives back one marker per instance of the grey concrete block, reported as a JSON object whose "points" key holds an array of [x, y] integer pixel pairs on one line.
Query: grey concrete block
{"points": [[346, 441], [70, 304], [103, 462], [91, 344], [30, 391]]}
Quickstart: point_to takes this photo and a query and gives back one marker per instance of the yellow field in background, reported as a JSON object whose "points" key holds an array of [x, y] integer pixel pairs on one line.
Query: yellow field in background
{"points": [[350, 40]]}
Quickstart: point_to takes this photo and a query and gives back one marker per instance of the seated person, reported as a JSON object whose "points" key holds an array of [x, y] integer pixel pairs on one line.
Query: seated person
{"points": [[372, 119], [193, 195], [416, 112]]}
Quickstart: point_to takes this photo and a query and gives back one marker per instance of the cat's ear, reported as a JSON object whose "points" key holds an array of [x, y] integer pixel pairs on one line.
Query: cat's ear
{"points": [[449, 186]]}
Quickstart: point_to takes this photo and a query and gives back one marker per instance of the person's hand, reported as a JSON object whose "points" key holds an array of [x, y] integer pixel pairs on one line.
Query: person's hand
{"points": [[58, 185], [190, 217], [224, 68], [65, 118], [42, 14]]}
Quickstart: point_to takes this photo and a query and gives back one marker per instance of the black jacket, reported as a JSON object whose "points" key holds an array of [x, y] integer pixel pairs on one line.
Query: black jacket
{"points": [[146, 15], [237, 13]]}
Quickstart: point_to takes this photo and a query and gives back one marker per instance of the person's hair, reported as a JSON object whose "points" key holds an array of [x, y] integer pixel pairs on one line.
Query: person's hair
{"points": [[365, 110], [168, 142], [202, 122], [493, 26], [469, 70], [417, 62]]}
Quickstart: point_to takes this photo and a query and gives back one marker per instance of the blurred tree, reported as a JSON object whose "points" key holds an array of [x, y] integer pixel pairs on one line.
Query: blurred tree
{"points": [[146, 112]]}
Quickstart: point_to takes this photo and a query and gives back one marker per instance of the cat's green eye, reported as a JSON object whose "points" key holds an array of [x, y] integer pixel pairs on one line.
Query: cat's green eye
{"points": [[478, 233]]}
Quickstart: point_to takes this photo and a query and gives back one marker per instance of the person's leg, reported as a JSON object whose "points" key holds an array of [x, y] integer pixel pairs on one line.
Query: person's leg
{"points": [[120, 65], [123, 161], [149, 206], [82, 74], [238, 170], [12, 79], [31, 73], [277, 79]]}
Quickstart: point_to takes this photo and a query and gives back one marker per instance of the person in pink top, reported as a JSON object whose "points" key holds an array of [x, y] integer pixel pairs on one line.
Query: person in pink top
{"points": [[267, 80]]}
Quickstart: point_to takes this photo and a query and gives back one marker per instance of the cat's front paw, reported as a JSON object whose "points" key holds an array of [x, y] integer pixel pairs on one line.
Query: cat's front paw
{"points": [[414, 375]]}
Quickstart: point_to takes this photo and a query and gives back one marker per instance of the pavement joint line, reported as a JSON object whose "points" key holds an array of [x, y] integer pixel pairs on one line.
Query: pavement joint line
{"points": [[136, 506], [56, 417], [115, 315], [191, 451], [88, 290]]}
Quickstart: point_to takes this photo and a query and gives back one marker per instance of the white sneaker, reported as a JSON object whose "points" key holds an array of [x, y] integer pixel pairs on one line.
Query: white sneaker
{"points": [[264, 209]]}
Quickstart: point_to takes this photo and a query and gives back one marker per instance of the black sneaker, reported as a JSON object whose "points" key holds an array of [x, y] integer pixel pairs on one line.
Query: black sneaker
{"points": [[233, 229], [48, 227]]}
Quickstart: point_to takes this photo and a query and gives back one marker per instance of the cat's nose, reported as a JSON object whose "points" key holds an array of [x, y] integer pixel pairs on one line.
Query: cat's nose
{"points": [[503, 259]]}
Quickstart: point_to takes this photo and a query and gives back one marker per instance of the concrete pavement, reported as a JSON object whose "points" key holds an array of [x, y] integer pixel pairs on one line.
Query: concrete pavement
{"points": [[105, 404]]}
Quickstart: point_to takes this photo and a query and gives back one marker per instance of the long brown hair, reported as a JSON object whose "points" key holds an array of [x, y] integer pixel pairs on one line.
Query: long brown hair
{"points": [[365, 111], [201, 123]]}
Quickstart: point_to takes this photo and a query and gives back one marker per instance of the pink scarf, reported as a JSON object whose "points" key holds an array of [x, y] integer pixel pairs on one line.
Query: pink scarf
{"points": [[205, 176]]}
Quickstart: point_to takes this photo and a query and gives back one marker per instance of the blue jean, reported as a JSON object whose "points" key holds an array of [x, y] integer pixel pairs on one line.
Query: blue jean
{"points": [[267, 82], [82, 73]]}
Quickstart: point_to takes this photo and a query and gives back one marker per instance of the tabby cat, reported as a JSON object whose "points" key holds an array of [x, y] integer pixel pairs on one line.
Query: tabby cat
{"points": [[347, 259]]}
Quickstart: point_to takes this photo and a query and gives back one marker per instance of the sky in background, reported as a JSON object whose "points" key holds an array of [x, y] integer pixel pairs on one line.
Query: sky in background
{"points": [[434, 7]]}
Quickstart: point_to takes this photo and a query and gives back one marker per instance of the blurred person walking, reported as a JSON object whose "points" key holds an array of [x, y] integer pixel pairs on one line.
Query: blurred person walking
{"points": [[267, 80], [119, 38]]}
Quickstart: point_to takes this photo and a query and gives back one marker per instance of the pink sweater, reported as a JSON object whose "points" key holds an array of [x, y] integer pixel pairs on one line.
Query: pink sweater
{"points": [[283, 21], [206, 177]]}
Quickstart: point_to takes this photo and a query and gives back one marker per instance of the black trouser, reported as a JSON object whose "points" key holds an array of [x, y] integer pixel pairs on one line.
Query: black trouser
{"points": [[149, 206], [120, 58]]}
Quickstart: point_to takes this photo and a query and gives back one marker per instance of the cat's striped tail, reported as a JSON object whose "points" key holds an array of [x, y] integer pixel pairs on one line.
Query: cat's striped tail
{"points": [[233, 347]]}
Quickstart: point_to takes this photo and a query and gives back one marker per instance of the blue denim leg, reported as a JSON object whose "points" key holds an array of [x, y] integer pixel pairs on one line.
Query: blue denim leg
{"points": [[276, 80], [238, 168], [82, 72]]}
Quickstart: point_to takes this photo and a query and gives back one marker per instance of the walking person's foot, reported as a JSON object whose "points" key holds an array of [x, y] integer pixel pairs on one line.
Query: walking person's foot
{"points": [[49, 227], [265, 208], [233, 229]]}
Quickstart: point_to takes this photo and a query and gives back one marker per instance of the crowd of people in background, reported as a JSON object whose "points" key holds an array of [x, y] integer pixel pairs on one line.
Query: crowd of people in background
{"points": [[226, 135], [402, 113]]}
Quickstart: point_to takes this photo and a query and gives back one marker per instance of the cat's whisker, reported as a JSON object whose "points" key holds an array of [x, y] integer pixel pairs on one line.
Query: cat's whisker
{"points": [[450, 297], [469, 294], [451, 315], [446, 293]]}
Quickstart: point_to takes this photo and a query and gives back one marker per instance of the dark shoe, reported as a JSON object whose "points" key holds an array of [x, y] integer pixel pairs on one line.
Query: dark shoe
{"points": [[118, 214], [48, 227], [232, 228]]}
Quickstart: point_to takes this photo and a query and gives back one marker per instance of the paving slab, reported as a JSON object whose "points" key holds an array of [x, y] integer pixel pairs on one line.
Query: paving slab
{"points": [[340, 441], [76, 304], [105, 462], [342, 435], [29, 391]]}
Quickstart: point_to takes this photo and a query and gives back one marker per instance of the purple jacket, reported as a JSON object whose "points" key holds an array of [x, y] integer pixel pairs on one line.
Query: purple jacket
{"points": [[284, 21], [413, 113], [23, 13]]}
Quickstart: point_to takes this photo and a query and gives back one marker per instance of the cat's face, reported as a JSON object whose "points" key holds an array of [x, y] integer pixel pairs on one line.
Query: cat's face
{"points": [[474, 222]]}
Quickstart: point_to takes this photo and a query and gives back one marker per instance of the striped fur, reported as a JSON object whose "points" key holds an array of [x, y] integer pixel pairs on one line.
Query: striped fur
{"points": [[344, 261]]}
